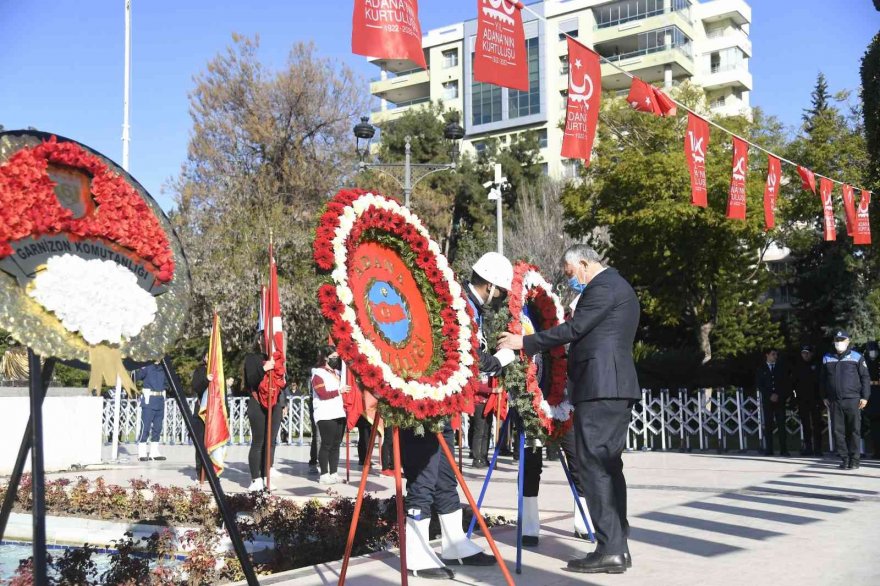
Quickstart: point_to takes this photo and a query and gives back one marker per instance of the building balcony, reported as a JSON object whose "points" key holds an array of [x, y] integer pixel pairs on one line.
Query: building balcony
{"points": [[649, 65], [413, 85], [736, 77], [725, 39], [395, 66], [634, 27], [394, 110], [717, 10]]}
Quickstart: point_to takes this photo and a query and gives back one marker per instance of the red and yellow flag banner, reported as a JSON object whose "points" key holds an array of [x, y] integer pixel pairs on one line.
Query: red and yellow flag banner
{"points": [[500, 50], [213, 407]]}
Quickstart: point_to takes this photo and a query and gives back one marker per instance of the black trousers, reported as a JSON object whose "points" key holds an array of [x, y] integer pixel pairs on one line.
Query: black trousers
{"points": [[875, 434], [600, 433], [388, 450], [364, 429], [199, 429], [774, 417], [811, 420], [482, 425], [569, 447], [846, 420], [331, 431], [533, 466], [430, 481], [257, 417]]}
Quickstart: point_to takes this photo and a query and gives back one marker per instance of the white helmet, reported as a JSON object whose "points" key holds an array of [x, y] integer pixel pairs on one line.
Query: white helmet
{"points": [[496, 269]]}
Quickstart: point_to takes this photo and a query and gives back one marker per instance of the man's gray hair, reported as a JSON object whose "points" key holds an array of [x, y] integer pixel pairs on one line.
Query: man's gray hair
{"points": [[579, 252]]}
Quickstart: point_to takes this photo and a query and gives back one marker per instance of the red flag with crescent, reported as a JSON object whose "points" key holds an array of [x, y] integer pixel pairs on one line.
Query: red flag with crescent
{"points": [[771, 191], [696, 143], [500, 48], [829, 229], [584, 96], [736, 200], [388, 30], [849, 209], [862, 232]]}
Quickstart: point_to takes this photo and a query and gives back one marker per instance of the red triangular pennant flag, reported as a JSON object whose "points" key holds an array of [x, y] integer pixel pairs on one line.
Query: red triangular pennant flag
{"points": [[664, 102], [584, 95], [736, 200], [771, 191], [849, 209], [641, 97], [862, 232], [500, 56], [388, 30], [828, 225], [808, 180], [696, 143]]}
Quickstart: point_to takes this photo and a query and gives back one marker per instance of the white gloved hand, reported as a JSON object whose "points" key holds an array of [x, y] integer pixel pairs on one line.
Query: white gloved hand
{"points": [[505, 356]]}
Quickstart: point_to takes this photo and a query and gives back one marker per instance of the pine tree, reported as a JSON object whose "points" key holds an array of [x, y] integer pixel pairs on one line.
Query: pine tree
{"points": [[820, 102]]}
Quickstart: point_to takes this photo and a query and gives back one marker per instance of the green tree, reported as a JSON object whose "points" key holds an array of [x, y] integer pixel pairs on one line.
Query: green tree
{"points": [[870, 74], [696, 272], [830, 279], [266, 149]]}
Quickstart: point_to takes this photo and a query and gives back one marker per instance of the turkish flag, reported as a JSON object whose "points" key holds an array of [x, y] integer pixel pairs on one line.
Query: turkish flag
{"points": [[584, 96], [862, 232], [771, 191], [736, 199], [808, 180], [641, 97], [500, 49], [849, 208], [696, 143], [828, 227], [387, 30], [667, 106]]}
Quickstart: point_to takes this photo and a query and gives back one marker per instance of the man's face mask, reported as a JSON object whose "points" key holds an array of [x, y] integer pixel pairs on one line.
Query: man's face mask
{"points": [[334, 362], [497, 298], [872, 353], [576, 285], [841, 346]]}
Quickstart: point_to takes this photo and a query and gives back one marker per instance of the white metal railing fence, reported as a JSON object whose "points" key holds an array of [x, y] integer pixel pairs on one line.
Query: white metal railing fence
{"points": [[664, 419]]}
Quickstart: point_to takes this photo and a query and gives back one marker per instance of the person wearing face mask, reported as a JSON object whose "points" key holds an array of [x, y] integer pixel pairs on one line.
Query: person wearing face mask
{"points": [[326, 386], [805, 381], [604, 386], [845, 386], [430, 480], [772, 380], [872, 411]]}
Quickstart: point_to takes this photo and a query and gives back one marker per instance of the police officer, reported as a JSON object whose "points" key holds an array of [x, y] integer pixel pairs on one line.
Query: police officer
{"points": [[805, 381], [845, 386], [773, 382], [873, 409], [152, 409], [430, 480]]}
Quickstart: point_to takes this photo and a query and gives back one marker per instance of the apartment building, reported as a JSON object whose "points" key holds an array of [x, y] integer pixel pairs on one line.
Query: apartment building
{"points": [[662, 41]]}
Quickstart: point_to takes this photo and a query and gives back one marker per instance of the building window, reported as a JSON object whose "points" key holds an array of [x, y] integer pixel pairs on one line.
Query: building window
{"points": [[542, 138], [629, 10], [571, 168], [545, 169], [450, 58], [485, 102], [572, 33], [716, 103], [726, 60], [528, 103], [480, 147], [450, 90]]}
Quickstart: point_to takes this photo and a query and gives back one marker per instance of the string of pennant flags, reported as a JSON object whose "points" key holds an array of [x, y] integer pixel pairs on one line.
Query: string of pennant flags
{"points": [[390, 29]]}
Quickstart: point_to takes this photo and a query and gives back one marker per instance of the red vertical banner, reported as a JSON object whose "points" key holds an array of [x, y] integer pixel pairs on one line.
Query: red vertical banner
{"points": [[862, 231], [849, 209], [808, 180], [500, 50], [584, 96], [828, 228], [771, 191], [696, 143], [387, 29], [736, 198]]}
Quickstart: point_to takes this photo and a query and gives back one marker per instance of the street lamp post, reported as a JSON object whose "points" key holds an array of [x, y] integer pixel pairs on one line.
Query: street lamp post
{"points": [[411, 173]]}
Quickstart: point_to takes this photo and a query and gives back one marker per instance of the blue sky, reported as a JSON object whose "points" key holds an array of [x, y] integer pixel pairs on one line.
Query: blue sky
{"points": [[61, 61]]}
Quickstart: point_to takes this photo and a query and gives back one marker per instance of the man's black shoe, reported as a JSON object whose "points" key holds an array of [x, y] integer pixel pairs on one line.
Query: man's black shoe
{"points": [[807, 453], [599, 563], [628, 560], [584, 536], [785, 454], [854, 464], [480, 464], [443, 573], [768, 452], [478, 559], [844, 464], [530, 540], [143, 459]]}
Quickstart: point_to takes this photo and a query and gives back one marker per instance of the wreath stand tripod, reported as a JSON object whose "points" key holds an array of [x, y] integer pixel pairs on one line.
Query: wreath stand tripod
{"points": [[401, 518], [520, 480], [32, 441]]}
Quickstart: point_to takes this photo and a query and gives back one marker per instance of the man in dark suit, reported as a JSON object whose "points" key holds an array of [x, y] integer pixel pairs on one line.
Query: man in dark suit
{"points": [[604, 386], [772, 380]]}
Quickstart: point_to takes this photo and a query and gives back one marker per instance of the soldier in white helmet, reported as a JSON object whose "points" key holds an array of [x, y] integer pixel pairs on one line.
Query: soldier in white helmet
{"points": [[430, 480]]}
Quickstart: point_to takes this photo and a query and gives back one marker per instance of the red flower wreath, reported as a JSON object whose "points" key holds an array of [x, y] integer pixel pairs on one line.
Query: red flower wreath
{"points": [[530, 289], [352, 219], [121, 216]]}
